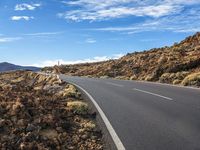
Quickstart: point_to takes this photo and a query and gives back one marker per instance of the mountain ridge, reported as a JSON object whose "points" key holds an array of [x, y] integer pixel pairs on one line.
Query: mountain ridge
{"points": [[5, 66]]}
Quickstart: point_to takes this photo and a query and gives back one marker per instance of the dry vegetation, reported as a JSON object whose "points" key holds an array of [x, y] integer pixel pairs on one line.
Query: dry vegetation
{"points": [[172, 64], [42, 113]]}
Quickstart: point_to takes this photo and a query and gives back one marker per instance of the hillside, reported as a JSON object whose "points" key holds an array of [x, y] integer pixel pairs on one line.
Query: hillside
{"points": [[4, 66], [178, 64]]}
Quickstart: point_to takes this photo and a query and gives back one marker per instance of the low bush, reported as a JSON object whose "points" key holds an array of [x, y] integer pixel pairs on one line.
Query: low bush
{"points": [[192, 79]]}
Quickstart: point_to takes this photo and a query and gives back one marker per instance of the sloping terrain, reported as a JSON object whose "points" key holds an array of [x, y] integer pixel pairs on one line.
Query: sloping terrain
{"points": [[41, 112], [4, 66], [178, 64]]}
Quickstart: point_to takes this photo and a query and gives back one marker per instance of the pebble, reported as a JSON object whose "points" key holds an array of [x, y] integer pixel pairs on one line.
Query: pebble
{"points": [[84, 137]]}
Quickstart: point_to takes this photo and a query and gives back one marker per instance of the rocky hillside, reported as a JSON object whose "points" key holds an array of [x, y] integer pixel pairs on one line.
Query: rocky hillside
{"points": [[39, 112], [177, 64], [4, 66]]}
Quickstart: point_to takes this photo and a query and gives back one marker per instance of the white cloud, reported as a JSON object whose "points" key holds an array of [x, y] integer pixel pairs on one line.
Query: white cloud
{"points": [[9, 39], [91, 41], [119, 12], [148, 40], [108, 9], [188, 21], [95, 59], [183, 2], [158, 15], [43, 33], [17, 18], [45, 36], [24, 6], [189, 30]]}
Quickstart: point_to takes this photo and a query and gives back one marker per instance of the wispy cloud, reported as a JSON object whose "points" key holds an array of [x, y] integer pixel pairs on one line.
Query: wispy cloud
{"points": [[90, 40], [188, 21], [24, 6], [182, 2], [61, 61], [104, 9], [148, 40], [43, 33], [173, 15], [45, 36], [118, 12], [9, 39], [17, 18]]}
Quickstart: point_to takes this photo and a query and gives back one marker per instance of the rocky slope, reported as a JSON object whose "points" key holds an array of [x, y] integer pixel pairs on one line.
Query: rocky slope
{"points": [[41, 112], [178, 64]]}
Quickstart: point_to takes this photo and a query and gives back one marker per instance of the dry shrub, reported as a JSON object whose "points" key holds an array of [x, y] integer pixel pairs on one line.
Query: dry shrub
{"points": [[192, 79], [78, 107]]}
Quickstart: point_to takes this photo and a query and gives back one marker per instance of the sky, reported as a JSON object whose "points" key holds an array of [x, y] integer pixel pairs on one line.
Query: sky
{"points": [[43, 32]]}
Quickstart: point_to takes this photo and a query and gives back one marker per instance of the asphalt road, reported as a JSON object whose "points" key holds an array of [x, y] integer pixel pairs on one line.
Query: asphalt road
{"points": [[148, 116]]}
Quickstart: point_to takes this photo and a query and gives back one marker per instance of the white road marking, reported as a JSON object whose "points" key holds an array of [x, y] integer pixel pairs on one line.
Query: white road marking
{"points": [[119, 85], [109, 127], [153, 94], [166, 84]]}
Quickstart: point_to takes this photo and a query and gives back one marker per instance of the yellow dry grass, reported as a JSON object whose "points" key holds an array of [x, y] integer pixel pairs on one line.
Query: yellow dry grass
{"points": [[78, 107]]}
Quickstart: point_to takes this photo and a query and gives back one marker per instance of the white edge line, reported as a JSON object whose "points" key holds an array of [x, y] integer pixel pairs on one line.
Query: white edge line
{"points": [[166, 84], [142, 81], [111, 130], [158, 83], [110, 83], [153, 94]]}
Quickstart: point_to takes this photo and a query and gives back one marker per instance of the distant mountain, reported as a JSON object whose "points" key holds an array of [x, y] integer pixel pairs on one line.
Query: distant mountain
{"points": [[177, 64], [4, 66]]}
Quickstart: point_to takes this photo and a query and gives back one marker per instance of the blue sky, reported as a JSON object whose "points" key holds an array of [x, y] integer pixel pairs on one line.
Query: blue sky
{"points": [[41, 32]]}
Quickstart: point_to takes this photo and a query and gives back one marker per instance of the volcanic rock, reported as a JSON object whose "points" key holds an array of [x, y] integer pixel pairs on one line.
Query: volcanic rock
{"points": [[34, 114]]}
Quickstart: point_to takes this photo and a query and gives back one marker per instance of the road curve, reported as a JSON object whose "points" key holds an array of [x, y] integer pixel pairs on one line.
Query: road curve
{"points": [[147, 116]]}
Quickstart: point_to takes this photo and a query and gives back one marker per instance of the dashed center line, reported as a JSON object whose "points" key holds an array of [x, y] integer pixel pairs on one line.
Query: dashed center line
{"points": [[119, 85], [168, 98]]}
